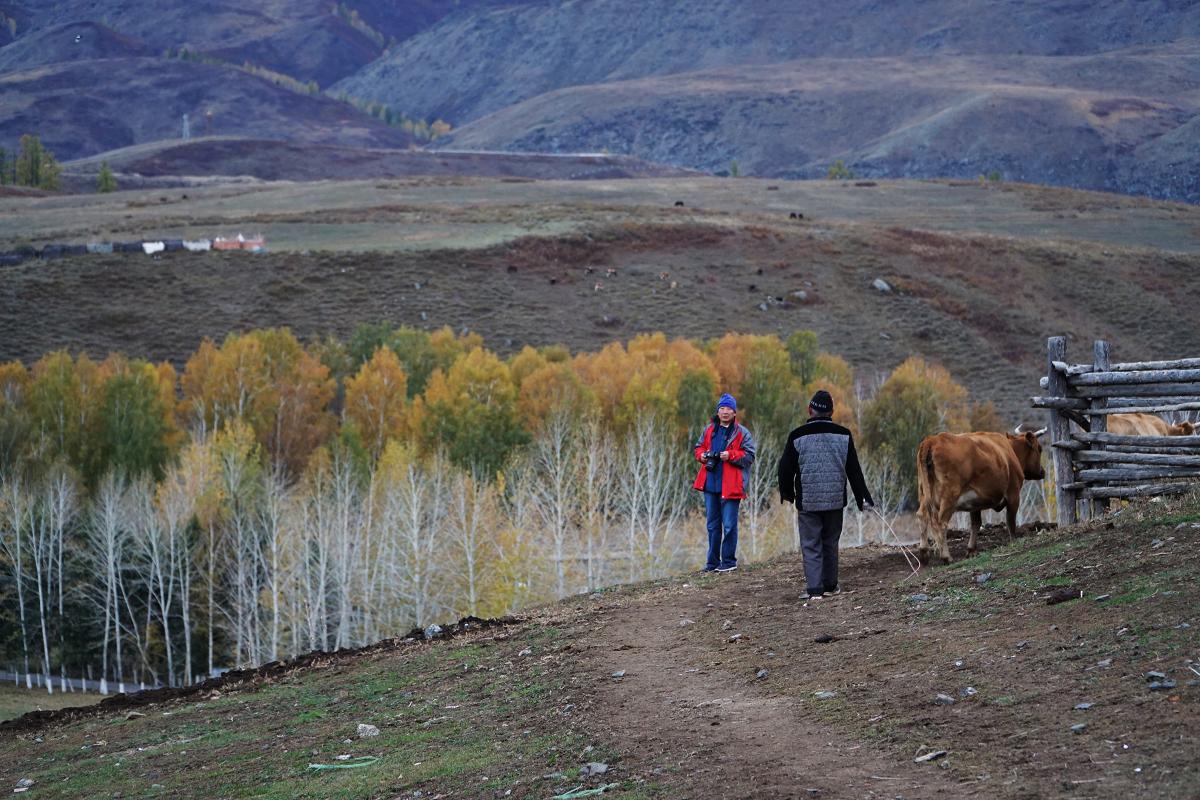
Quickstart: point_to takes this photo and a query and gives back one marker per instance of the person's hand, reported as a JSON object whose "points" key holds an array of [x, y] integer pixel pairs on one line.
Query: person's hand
{"points": [[724, 455], [867, 505]]}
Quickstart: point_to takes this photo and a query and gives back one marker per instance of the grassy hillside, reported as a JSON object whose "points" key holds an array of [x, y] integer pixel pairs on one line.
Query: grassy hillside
{"points": [[205, 158], [716, 686], [981, 275]]}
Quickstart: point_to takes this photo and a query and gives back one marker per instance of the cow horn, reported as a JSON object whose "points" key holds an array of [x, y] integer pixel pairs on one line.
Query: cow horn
{"points": [[1017, 430], [1040, 431]]}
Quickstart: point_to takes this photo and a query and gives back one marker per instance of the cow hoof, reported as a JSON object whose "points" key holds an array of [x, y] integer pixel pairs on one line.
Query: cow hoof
{"points": [[945, 560], [923, 555]]}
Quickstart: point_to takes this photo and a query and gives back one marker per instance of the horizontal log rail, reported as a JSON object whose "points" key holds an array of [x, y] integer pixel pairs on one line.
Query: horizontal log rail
{"points": [[1140, 390], [1152, 441], [1129, 366], [1149, 490], [1119, 378], [1101, 412], [1105, 457], [1076, 403], [1135, 474]]}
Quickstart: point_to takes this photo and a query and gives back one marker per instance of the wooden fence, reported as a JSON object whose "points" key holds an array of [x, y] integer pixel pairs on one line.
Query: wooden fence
{"points": [[1093, 466]]}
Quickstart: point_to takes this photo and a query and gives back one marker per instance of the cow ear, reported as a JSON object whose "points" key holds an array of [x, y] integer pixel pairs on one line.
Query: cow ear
{"points": [[1031, 437]]}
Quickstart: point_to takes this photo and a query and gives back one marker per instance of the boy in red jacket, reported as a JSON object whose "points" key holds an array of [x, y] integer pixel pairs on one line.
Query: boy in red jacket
{"points": [[725, 451]]}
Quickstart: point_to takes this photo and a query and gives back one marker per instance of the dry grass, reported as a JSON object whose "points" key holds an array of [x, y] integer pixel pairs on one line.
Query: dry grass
{"points": [[980, 278]]}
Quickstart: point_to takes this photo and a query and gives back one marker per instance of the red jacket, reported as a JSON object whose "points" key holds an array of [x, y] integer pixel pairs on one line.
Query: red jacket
{"points": [[733, 474]]}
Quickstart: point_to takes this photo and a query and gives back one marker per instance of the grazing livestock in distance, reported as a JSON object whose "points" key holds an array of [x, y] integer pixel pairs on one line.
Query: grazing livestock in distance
{"points": [[1147, 425], [972, 472]]}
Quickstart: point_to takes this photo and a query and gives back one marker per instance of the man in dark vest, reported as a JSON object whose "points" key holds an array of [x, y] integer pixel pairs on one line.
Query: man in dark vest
{"points": [[817, 461]]}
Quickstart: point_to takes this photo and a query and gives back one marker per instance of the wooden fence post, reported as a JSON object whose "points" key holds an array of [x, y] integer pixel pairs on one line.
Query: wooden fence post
{"points": [[1102, 361], [1060, 431]]}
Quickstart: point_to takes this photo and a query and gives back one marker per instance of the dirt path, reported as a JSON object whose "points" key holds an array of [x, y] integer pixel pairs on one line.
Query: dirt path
{"points": [[692, 708], [1029, 699]]}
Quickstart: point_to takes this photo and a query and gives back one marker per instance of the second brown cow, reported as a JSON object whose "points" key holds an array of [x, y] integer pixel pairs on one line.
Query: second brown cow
{"points": [[1147, 425]]}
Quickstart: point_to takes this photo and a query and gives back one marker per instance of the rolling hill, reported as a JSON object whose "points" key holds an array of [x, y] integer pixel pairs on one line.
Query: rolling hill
{"points": [[134, 100], [1102, 95], [1099, 121]]}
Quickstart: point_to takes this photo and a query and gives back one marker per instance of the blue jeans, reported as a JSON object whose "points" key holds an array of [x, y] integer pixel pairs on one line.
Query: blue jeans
{"points": [[722, 518]]}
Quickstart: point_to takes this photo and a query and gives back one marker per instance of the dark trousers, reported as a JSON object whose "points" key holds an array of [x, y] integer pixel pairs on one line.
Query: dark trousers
{"points": [[820, 532], [722, 519]]}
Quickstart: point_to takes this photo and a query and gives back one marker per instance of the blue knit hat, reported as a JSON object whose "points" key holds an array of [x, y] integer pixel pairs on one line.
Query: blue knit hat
{"points": [[727, 400]]}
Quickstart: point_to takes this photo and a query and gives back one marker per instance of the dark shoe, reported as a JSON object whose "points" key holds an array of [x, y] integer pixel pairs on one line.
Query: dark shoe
{"points": [[709, 569], [727, 569], [814, 596], [834, 590]]}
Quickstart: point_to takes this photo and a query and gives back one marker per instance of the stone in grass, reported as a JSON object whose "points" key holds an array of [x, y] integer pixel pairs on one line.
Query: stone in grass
{"points": [[762, 673], [1155, 675], [919, 598], [618, 674], [525, 652], [824, 638], [364, 730], [1161, 686], [24, 783], [824, 694], [593, 768], [433, 631], [983, 578], [932, 755], [1083, 706], [944, 700], [1079, 727], [882, 286]]}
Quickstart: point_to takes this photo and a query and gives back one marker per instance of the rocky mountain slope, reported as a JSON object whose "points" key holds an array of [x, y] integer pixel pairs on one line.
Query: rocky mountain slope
{"points": [[1100, 95], [1117, 121], [473, 64]]}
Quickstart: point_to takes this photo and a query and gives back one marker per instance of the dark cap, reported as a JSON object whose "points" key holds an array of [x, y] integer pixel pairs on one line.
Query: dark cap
{"points": [[822, 402]]}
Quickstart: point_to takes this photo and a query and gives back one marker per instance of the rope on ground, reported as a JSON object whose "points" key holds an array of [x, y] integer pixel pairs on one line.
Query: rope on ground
{"points": [[581, 792], [353, 763], [914, 563]]}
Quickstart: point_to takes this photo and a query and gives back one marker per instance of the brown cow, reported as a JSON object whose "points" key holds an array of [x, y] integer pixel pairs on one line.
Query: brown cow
{"points": [[972, 472], [1147, 425]]}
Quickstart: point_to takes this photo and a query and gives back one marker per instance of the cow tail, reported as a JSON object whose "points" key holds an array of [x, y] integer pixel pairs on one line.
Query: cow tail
{"points": [[926, 482]]}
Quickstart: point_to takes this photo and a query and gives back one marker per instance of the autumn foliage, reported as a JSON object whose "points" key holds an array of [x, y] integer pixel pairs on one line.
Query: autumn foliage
{"points": [[274, 496]]}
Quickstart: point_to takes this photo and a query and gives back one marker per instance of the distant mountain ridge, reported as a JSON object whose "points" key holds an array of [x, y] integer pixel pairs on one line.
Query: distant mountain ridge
{"points": [[1100, 95]]}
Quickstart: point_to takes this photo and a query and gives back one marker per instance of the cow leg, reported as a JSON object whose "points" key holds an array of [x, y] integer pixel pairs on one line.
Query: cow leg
{"points": [[939, 534], [976, 522], [1011, 506], [923, 550]]}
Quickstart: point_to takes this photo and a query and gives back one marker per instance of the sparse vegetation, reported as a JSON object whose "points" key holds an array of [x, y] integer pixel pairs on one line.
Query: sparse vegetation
{"points": [[838, 171], [105, 180], [277, 78], [417, 128], [33, 166], [354, 20]]}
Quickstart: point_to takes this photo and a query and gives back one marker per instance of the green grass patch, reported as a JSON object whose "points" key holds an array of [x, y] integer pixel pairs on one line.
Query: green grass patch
{"points": [[1141, 587]]}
